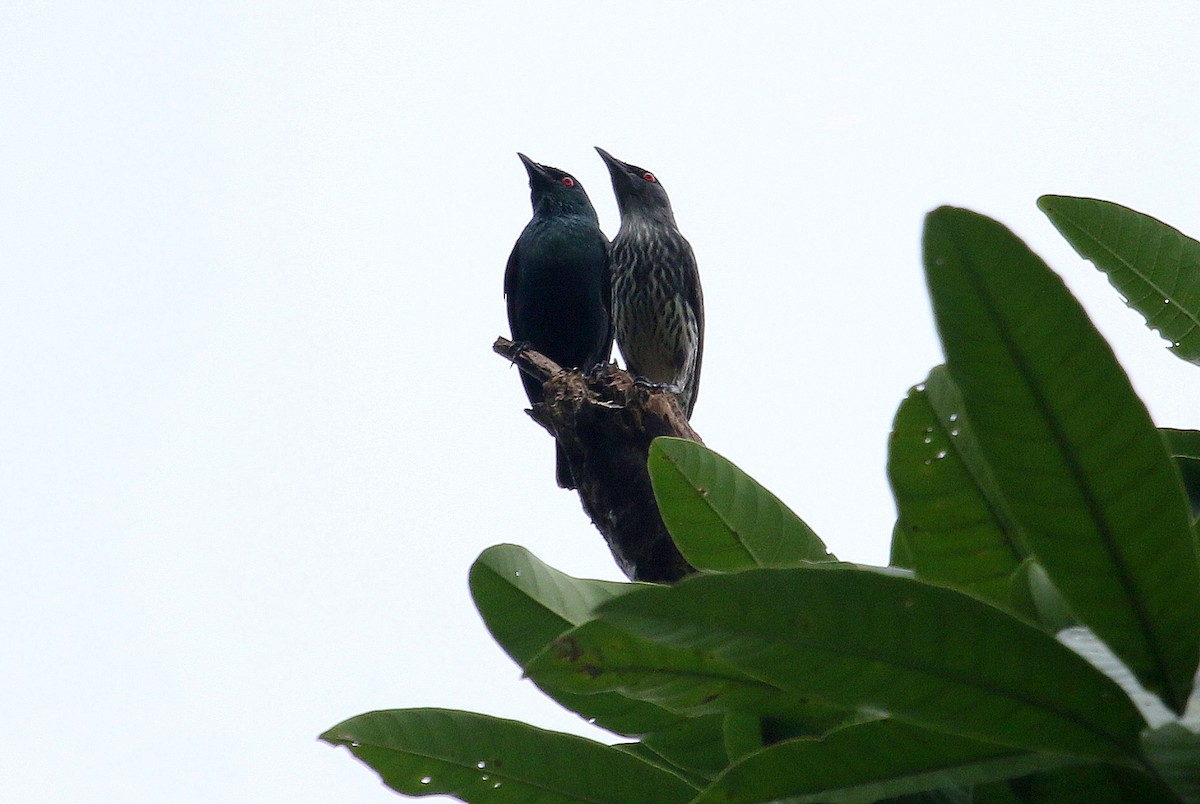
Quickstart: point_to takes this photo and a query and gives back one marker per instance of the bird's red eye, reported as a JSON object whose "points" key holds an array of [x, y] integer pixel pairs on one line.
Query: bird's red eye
{"points": [[568, 181], [648, 176]]}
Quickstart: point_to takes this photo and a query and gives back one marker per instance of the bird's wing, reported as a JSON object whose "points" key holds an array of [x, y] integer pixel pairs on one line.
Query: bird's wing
{"points": [[606, 297], [695, 300], [510, 283], [510, 270]]}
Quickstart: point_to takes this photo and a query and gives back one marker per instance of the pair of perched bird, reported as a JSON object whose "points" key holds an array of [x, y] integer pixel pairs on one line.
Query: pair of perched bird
{"points": [[569, 290]]}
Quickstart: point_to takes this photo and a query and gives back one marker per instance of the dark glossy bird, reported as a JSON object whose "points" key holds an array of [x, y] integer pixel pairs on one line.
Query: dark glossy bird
{"points": [[657, 303], [557, 283]]}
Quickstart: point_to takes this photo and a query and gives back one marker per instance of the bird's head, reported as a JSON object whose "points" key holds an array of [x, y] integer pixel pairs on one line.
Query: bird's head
{"points": [[554, 191], [638, 191]]}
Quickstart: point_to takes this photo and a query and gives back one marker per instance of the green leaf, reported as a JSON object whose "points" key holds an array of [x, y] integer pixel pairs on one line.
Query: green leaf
{"points": [[995, 793], [1155, 267], [721, 519], [1182, 443], [645, 754], [900, 554], [947, 795], [1184, 447], [697, 744], [1083, 784], [954, 520], [928, 655], [598, 658], [1035, 597], [1071, 447], [869, 761], [1174, 752], [527, 604], [472, 757], [1084, 643], [743, 734]]}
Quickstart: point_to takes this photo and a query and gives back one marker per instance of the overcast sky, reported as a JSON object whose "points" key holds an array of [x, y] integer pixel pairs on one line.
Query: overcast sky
{"points": [[253, 432]]}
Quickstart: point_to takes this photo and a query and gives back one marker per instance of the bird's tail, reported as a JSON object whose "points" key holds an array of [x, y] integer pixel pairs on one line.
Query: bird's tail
{"points": [[565, 479]]}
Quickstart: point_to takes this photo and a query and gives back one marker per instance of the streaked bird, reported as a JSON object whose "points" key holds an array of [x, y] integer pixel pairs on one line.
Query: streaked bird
{"points": [[557, 283], [657, 303]]}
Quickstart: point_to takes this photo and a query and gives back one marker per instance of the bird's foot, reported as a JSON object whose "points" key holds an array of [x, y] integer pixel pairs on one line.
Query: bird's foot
{"points": [[669, 387], [596, 371], [518, 347]]}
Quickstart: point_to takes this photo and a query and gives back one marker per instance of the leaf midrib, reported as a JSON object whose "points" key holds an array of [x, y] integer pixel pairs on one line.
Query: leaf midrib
{"points": [[1098, 245], [963, 680]]}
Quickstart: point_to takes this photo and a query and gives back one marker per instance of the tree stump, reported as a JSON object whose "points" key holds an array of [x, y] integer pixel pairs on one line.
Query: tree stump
{"points": [[605, 422]]}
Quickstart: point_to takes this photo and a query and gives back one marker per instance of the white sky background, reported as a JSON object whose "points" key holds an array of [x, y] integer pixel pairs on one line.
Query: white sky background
{"points": [[250, 275]]}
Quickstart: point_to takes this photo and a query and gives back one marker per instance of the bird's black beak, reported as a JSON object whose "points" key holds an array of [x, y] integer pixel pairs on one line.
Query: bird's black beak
{"points": [[622, 173], [614, 165], [537, 173]]}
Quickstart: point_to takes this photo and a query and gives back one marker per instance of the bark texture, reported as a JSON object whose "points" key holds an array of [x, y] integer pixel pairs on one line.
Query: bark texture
{"points": [[605, 421]]}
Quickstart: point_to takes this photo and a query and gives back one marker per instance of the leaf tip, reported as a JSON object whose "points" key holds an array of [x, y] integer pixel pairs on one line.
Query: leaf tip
{"points": [[337, 738]]}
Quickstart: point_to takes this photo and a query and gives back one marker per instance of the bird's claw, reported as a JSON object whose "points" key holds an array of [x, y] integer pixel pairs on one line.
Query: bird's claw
{"points": [[669, 387], [518, 347], [596, 371]]}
